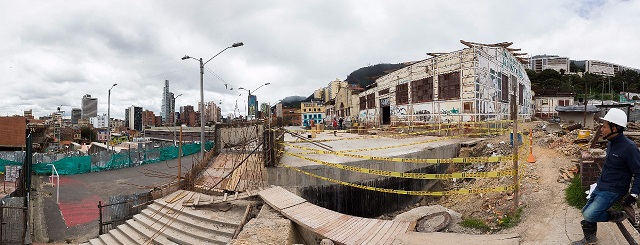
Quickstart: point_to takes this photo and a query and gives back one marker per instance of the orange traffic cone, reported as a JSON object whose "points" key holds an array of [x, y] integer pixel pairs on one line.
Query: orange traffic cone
{"points": [[531, 158]]}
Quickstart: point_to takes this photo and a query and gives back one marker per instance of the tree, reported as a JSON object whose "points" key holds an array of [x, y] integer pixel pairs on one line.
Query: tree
{"points": [[88, 134]]}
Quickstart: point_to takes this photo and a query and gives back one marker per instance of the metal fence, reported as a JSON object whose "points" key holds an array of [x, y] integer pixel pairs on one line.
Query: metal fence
{"points": [[13, 220], [121, 208]]}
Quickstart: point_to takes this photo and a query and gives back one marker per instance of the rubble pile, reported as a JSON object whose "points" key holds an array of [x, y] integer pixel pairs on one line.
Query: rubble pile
{"points": [[567, 174]]}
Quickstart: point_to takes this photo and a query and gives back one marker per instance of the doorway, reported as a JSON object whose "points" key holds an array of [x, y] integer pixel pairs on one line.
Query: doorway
{"points": [[386, 115]]}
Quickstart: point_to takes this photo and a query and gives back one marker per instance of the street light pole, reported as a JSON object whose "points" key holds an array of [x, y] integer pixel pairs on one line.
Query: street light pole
{"points": [[202, 139], [109, 115], [173, 115]]}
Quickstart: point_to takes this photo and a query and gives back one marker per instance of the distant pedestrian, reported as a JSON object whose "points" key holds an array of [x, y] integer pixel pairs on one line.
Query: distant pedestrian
{"points": [[334, 123], [340, 122]]}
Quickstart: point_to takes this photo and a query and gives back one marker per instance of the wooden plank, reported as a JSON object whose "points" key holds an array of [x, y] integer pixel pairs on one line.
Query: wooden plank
{"points": [[392, 231], [401, 229], [367, 238], [323, 216], [279, 198], [332, 225], [371, 224], [337, 231], [353, 228]]}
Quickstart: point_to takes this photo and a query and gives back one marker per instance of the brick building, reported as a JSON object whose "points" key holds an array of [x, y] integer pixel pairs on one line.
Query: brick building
{"points": [[12, 133]]}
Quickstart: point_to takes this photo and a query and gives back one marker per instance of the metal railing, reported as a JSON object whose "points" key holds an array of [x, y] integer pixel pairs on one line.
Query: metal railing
{"points": [[54, 174], [121, 208]]}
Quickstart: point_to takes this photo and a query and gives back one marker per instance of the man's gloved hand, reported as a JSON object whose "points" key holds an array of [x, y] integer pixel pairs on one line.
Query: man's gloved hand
{"points": [[628, 201]]}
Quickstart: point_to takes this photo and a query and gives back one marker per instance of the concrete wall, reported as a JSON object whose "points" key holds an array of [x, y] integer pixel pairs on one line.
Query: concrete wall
{"points": [[357, 201], [290, 178]]}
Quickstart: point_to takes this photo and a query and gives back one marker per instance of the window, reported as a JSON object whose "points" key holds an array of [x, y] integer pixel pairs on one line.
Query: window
{"points": [[505, 88], [402, 94], [422, 90], [449, 86], [371, 101], [363, 103], [521, 94], [383, 92], [467, 107]]}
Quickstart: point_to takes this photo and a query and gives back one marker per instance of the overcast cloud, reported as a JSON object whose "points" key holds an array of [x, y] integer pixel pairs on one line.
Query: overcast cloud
{"points": [[54, 52]]}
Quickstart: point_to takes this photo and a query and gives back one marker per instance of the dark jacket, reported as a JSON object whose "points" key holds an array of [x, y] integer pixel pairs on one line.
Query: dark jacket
{"points": [[621, 163]]}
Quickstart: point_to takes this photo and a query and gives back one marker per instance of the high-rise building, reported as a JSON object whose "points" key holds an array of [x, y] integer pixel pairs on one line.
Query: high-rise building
{"points": [[134, 117], [553, 62], [211, 112], [76, 113], [168, 104], [89, 106]]}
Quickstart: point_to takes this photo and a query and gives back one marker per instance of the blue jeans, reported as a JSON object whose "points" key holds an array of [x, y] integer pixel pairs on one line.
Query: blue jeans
{"points": [[598, 204]]}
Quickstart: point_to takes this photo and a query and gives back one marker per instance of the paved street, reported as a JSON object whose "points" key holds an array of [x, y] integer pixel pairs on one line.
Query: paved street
{"points": [[75, 218]]}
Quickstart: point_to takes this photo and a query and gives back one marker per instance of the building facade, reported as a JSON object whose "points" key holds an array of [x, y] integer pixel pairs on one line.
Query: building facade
{"points": [[539, 63], [134, 116], [76, 113], [546, 103], [604, 68], [472, 84], [99, 121], [89, 106], [312, 111]]}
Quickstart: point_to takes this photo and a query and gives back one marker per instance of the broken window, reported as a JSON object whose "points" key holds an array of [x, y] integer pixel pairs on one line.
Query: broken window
{"points": [[422, 90], [402, 94], [521, 94], [505, 88], [371, 101], [449, 86]]}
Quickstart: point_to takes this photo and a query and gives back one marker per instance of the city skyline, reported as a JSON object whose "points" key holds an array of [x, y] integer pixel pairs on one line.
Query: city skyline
{"points": [[56, 52]]}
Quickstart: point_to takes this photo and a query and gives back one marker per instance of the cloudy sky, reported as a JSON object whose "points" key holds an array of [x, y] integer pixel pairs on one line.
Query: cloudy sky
{"points": [[54, 52]]}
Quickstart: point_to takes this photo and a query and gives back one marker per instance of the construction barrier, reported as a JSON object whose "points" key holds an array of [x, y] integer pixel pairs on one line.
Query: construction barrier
{"points": [[415, 193], [519, 172]]}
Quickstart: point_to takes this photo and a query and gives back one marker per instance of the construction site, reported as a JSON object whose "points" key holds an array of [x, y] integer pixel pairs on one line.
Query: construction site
{"points": [[418, 184]]}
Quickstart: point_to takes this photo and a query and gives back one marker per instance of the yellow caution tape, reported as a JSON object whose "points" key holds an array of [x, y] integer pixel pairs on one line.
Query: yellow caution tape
{"points": [[458, 160], [476, 175], [415, 193]]}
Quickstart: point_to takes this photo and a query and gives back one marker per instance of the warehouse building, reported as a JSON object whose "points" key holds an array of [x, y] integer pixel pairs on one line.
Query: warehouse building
{"points": [[472, 84]]}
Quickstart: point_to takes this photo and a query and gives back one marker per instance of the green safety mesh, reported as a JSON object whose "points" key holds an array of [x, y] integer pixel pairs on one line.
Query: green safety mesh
{"points": [[82, 164], [7, 162]]}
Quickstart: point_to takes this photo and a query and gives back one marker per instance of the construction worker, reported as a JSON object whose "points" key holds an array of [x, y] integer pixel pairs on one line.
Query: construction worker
{"points": [[622, 162]]}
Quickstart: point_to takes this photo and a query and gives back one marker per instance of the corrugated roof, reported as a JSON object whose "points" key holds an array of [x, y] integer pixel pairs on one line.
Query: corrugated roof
{"points": [[577, 108]]}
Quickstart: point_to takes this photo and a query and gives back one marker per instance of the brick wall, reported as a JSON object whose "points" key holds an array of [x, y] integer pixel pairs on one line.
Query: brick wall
{"points": [[12, 131], [590, 169]]}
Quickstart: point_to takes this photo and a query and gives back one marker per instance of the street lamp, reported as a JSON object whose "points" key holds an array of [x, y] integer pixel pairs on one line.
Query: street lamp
{"points": [[250, 94], [109, 115], [202, 139], [173, 115]]}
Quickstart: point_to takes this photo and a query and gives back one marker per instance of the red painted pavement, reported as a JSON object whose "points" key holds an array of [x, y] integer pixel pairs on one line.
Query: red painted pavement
{"points": [[77, 213]]}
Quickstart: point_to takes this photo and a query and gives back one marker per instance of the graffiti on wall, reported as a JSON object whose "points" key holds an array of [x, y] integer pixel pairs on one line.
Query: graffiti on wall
{"points": [[399, 110]]}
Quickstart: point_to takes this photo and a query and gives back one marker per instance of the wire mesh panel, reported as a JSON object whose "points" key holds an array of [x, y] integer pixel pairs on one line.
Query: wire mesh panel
{"points": [[13, 217]]}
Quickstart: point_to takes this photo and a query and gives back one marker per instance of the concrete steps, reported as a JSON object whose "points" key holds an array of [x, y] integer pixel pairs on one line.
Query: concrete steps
{"points": [[167, 221]]}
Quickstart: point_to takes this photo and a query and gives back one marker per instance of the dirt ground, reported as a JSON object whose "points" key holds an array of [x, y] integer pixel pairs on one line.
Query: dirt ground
{"points": [[546, 218]]}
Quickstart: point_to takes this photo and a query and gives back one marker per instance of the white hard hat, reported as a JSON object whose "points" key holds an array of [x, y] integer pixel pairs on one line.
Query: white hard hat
{"points": [[616, 116]]}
